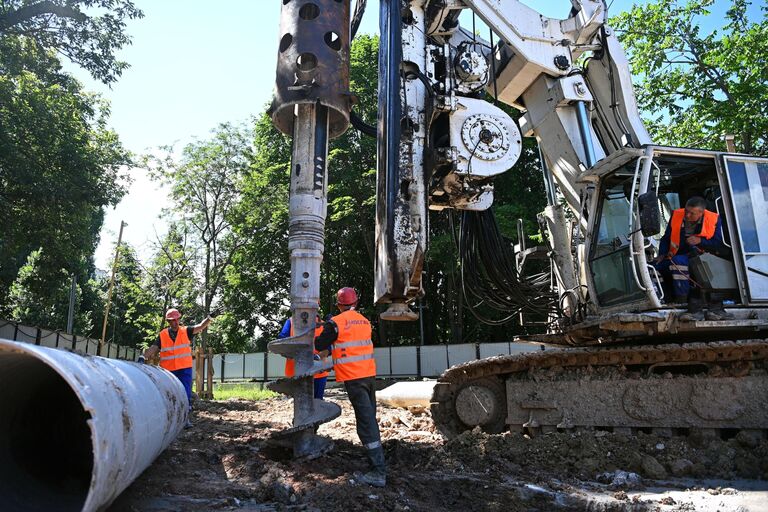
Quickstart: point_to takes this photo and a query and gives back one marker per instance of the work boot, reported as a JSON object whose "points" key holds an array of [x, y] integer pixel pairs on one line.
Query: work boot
{"points": [[718, 314], [375, 477]]}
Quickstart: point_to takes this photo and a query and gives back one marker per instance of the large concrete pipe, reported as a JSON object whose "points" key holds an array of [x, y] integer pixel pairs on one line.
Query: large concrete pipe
{"points": [[76, 430]]}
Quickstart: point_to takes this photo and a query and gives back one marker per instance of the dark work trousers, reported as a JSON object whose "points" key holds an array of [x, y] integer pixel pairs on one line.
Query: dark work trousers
{"points": [[362, 396]]}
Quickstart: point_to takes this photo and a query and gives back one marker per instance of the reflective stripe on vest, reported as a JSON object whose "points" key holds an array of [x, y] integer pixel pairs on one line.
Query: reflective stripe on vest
{"points": [[353, 349], [173, 348], [290, 364], [175, 355], [708, 226]]}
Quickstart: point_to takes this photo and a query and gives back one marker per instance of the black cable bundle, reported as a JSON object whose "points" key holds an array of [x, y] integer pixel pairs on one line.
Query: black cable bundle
{"points": [[489, 274]]}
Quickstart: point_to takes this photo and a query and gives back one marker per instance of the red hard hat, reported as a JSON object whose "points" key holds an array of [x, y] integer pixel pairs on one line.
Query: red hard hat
{"points": [[172, 314], [346, 296]]}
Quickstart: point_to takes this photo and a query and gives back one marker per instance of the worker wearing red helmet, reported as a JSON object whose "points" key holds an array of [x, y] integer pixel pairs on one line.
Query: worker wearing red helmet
{"points": [[174, 344], [348, 337]]}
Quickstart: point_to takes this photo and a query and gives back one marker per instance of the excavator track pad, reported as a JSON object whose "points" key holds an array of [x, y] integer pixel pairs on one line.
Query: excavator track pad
{"points": [[708, 387]]}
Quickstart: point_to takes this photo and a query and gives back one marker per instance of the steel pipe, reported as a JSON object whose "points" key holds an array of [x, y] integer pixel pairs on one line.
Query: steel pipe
{"points": [[76, 430]]}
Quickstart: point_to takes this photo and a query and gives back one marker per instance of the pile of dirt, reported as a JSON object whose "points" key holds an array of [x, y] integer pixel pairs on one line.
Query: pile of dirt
{"points": [[227, 462], [586, 454]]}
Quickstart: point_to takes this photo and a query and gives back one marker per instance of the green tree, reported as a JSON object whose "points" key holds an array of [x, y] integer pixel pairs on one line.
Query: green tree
{"points": [[134, 310], [170, 280], [695, 87], [60, 166], [205, 186], [40, 297], [88, 32]]}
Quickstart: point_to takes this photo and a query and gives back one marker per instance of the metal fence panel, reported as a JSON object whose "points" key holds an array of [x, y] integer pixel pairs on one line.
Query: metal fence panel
{"points": [[254, 366], [404, 361], [233, 366], [493, 349], [275, 366], [81, 345], [434, 360], [93, 347], [65, 340], [26, 334], [520, 348], [216, 363], [381, 355], [458, 354], [47, 338], [6, 330]]}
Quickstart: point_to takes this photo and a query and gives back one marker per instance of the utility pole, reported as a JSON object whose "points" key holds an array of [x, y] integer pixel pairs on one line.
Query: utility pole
{"points": [[111, 285], [71, 312]]}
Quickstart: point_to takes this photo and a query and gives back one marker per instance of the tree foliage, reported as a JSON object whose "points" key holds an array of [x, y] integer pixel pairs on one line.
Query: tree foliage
{"points": [[205, 184], [60, 165], [40, 297], [88, 32], [695, 87]]}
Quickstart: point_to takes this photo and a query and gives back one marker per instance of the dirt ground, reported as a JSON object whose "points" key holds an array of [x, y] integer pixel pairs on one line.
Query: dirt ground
{"points": [[226, 463]]}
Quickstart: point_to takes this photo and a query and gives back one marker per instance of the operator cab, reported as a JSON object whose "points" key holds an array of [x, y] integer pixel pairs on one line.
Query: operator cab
{"points": [[634, 194]]}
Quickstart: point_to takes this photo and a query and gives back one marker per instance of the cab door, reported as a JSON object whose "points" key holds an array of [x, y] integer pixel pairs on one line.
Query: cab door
{"points": [[748, 186]]}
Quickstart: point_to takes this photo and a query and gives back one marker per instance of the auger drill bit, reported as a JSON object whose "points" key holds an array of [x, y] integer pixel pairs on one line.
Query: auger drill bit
{"points": [[311, 104]]}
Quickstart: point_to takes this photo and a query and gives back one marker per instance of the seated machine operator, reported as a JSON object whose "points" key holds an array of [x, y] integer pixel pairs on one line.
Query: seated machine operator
{"points": [[691, 231]]}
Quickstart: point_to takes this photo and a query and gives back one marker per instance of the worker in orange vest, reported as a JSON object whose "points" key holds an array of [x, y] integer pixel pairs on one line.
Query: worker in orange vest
{"points": [[691, 231], [174, 344], [348, 337], [290, 364]]}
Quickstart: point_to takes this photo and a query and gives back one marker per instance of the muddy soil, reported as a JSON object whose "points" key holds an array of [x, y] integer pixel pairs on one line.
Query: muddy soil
{"points": [[227, 463]]}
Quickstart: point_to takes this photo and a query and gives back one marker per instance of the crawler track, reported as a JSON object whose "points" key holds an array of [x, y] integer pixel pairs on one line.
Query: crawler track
{"points": [[708, 386]]}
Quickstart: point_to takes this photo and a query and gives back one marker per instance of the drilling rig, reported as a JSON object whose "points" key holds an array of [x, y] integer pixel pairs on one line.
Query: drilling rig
{"points": [[627, 358]]}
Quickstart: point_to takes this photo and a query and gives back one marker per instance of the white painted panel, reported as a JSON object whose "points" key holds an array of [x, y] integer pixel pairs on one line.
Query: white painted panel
{"points": [[458, 354], [254, 366], [434, 360], [26, 334], [493, 349], [47, 338], [381, 355], [233, 366], [275, 366], [6, 330], [404, 361]]}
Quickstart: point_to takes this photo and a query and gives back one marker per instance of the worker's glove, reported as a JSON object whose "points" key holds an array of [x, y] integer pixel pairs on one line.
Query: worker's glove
{"points": [[141, 360]]}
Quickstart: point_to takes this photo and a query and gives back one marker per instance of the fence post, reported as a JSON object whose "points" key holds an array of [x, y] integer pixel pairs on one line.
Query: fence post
{"points": [[57, 339], [209, 375], [266, 367], [37, 336], [477, 350], [418, 363], [15, 331], [243, 365], [223, 361], [74, 341]]}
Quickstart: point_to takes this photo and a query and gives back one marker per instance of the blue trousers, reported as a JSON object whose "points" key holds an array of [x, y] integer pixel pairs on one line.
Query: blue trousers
{"points": [[320, 387], [677, 269], [185, 376]]}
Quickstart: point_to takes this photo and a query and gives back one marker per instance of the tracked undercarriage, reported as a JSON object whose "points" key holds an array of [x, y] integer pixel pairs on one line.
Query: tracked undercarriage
{"points": [[709, 387]]}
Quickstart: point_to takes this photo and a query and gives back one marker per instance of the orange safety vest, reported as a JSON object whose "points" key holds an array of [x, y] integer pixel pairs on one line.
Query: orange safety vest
{"points": [[353, 350], [175, 355], [290, 364], [676, 224]]}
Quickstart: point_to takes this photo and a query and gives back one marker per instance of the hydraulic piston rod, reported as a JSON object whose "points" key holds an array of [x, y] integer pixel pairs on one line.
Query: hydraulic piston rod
{"points": [[75, 431]]}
